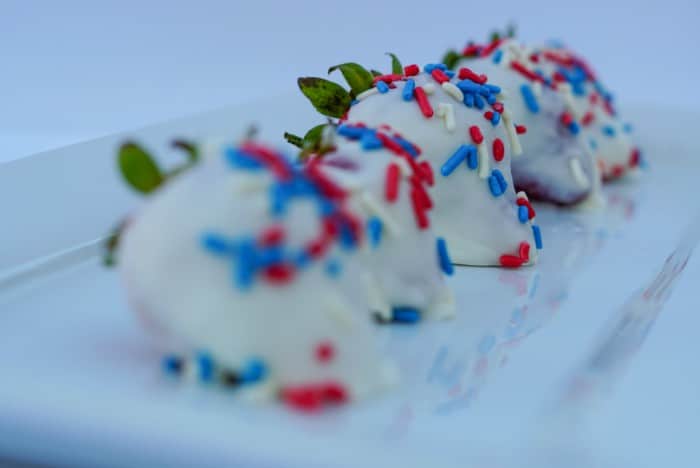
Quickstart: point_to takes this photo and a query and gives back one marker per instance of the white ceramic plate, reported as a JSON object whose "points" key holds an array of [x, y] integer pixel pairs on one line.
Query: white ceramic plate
{"points": [[529, 374]]}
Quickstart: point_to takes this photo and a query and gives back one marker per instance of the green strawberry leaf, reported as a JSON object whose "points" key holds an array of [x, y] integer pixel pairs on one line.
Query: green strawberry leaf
{"points": [[451, 58], [313, 137], [138, 168], [111, 244], [376, 73], [396, 66], [327, 97], [357, 77], [295, 140], [188, 147]]}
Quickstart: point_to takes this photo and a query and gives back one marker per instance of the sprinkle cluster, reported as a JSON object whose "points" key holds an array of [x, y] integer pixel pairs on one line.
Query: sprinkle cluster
{"points": [[267, 255], [561, 70], [419, 174]]}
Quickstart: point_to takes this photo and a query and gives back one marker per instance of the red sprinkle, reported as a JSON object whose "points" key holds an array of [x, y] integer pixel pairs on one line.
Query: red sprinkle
{"points": [[498, 107], [520, 129], [269, 158], [306, 398], [272, 236], [524, 252], [424, 198], [470, 50], [510, 261], [411, 70], [279, 273], [558, 77], [334, 392], [488, 115], [566, 118], [617, 170], [530, 209], [427, 172], [490, 48], [439, 76], [587, 118], [391, 186], [388, 79], [422, 100], [324, 352], [534, 58], [466, 74], [523, 70], [558, 59], [475, 133], [498, 150], [390, 144], [418, 211], [634, 158]]}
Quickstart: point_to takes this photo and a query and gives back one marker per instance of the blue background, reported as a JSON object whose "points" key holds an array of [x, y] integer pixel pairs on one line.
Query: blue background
{"points": [[74, 70]]}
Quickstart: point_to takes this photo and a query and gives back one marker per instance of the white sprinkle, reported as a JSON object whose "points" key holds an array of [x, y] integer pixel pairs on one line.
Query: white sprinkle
{"points": [[564, 90], [447, 112], [250, 183], [503, 95], [522, 195], [578, 174], [512, 133], [484, 166], [453, 91], [405, 169], [367, 93], [429, 88], [537, 88], [338, 309], [377, 209]]}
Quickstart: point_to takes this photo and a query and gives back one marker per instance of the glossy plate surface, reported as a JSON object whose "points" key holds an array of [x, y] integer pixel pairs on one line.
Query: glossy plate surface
{"points": [[585, 360]]}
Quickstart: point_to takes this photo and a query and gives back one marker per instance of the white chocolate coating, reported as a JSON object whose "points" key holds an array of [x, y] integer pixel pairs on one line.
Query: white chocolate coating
{"points": [[191, 298], [478, 226]]}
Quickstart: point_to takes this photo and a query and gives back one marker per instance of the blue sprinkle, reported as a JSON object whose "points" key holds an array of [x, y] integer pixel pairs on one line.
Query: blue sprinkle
{"points": [[205, 366], [405, 144], [245, 271], [302, 259], [497, 56], [455, 160], [441, 66], [369, 141], [350, 132], [333, 268], [172, 364], [353, 102], [486, 344], [241, 160], [538, 236], [578, 89], [593, 144], [408, 88], [491, 99], [405, 314], [215, 244], [347, 238], [374, 230], [468, 86], [496, 118], [472, 158], [468, 99], [494, 187], [450, 74], [478, 101], [523, 214], [382, 87], [444, 257], [608, 130], [428, 68], [255, 370], [501, 180], [529, 98], [627, 128], [574, 128]]}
